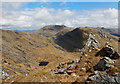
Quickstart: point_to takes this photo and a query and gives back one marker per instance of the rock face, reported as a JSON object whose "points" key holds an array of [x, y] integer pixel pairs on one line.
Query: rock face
{"points": [[104, 64], [91, 43], [108, 51], [106, 78]]}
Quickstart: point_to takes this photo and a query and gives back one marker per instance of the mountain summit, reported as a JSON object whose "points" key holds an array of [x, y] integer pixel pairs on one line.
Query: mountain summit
{"points": [[51, 30]]}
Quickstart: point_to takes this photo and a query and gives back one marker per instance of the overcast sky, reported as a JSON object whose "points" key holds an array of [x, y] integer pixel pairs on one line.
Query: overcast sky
{"points": [[34, 15]]}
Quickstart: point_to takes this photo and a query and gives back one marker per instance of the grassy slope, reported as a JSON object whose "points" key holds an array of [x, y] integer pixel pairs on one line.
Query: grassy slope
{"points": [[45, 52]]}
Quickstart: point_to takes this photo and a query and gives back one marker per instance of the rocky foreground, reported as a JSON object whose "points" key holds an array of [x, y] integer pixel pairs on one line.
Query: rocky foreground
{"points": [[105, 64], [56, 53]]}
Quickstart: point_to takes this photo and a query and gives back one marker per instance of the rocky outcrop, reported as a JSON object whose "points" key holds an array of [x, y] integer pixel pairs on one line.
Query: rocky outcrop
{"points": [[68, 67], [104, 64], [92, 42], [90, 45], [106, 78], [108, 51]]}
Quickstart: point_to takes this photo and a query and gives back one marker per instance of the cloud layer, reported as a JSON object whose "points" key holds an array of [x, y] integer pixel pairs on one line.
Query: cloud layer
{"points": [[15, 18]]}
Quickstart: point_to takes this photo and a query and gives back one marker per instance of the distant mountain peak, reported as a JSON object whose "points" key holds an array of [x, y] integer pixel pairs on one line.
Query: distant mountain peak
{"points": [[51, 30]]}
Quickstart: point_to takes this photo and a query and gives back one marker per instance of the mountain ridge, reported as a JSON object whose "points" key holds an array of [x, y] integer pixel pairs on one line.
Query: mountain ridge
{"points": [[22, 52]]}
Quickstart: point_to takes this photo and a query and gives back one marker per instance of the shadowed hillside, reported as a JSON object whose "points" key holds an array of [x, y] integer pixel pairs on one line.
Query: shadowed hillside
{"points": [[73, 40]]}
